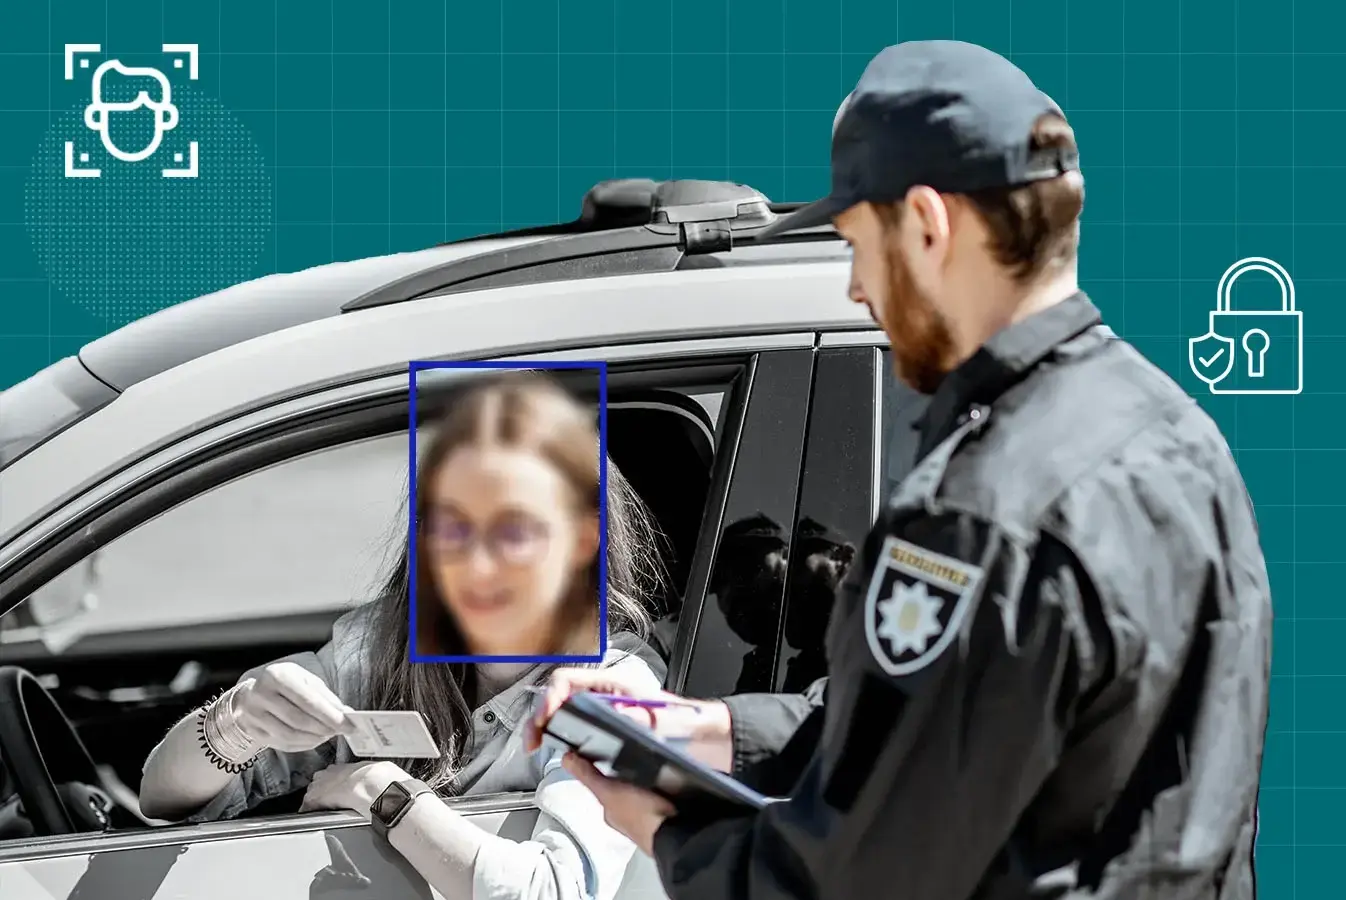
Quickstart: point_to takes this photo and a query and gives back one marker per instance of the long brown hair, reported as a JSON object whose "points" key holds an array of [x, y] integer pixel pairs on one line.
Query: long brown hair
{"points": [[518, 410]]}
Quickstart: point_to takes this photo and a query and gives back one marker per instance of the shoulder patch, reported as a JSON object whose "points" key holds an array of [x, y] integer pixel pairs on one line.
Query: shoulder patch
{"points": [[916, 602]]}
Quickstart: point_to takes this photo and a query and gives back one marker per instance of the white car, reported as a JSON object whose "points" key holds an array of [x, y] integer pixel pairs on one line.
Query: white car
{"points": [[207, 488]]}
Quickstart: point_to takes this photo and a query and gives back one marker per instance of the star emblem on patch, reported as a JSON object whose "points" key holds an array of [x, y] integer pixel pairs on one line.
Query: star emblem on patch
{"points": [[909, 618], [916, 604]]}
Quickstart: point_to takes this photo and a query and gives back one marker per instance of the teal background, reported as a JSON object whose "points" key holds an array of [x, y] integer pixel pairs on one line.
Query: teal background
{"points": [[1209, 131]]}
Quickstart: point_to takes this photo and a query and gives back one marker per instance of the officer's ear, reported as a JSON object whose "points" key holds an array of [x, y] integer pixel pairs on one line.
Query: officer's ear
{"points": [[925, 226]]}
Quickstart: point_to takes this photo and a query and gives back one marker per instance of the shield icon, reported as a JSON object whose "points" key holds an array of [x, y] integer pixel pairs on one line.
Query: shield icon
{"points": [[1211, 357]]}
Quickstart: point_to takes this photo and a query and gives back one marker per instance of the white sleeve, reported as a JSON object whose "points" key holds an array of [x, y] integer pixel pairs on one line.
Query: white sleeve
{"points": [[573, 854]]}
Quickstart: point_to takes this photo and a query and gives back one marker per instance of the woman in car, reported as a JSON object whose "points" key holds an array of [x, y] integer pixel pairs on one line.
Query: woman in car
{"points": [[507, 547]]}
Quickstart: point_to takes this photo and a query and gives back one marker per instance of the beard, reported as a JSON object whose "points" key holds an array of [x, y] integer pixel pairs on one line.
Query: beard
{"points": [[920, 337]]}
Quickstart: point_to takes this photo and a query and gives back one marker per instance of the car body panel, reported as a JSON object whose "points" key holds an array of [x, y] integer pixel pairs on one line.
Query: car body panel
{"points": [[271, 867], [230, 860], [330, 863]]}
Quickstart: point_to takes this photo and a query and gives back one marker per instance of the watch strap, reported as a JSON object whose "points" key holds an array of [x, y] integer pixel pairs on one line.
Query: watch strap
{"points": [[391, 806]]}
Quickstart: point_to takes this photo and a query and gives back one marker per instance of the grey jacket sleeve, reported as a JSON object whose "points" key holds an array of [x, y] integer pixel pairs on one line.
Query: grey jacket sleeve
{"points": [[275, 773]]}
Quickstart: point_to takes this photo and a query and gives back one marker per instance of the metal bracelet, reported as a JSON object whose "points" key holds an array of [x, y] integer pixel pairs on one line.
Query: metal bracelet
{"points": [[230, 730], [222, 738]]}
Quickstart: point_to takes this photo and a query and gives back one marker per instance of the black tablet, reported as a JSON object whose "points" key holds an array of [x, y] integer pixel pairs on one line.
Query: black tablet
{"points": [[636, 755]]}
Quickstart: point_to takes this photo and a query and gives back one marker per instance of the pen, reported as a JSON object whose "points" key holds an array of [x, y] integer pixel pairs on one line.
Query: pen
{"points": [[619, 700]]}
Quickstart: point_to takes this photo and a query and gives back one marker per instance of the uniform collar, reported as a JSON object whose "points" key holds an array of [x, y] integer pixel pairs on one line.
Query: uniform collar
{"points": [[1004, 359]]}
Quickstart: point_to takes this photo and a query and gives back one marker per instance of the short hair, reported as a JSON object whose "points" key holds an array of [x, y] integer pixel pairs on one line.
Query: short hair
{"points": [[1036, 227]]}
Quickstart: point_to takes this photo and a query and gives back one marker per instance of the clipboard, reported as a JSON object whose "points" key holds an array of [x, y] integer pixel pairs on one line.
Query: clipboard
{"points": [[637, 756]]}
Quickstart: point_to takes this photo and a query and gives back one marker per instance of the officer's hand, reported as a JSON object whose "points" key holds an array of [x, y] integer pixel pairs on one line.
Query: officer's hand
{"points": [[566, 682], [635, 813], [703, 725]]}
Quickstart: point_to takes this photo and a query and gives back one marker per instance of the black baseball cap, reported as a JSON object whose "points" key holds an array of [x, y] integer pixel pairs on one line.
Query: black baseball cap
{"points": [[950, 115]]}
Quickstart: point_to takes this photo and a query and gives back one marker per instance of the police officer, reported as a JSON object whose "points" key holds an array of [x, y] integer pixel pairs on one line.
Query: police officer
{"points": [[1050, 677]]}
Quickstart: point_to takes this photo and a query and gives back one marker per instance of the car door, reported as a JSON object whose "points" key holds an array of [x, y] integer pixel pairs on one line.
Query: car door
{"points": [[759, 445]]}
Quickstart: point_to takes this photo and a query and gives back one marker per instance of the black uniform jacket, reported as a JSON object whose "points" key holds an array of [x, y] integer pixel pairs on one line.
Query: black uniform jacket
{"points": [[1049, 676]]}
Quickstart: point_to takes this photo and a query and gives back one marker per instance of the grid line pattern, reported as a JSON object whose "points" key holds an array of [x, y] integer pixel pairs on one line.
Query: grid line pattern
{"points": [[1209, 132]]}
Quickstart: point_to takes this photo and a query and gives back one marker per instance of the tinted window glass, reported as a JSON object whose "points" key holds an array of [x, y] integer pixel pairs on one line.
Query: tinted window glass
{"points": [[835, 507], [853, 461], [742, 574]]}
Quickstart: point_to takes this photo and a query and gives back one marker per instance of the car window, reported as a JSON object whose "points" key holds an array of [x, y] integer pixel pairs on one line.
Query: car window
{"points": [[839, 493], [304, 536], [311, 535]]}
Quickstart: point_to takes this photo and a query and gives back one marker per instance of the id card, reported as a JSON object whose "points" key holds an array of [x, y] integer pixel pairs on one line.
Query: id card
{"points": [[391, 735]]}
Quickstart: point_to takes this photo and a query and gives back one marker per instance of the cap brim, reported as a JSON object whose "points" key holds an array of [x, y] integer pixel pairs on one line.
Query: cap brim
{"points": [[820, 212]]}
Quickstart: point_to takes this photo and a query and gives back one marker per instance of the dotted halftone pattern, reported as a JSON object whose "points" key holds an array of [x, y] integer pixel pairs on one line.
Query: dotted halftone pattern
{"points": [[131, 241]]}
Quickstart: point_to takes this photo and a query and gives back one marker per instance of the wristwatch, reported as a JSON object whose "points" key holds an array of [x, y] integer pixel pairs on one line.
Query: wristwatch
{"points": [[392, 805]]}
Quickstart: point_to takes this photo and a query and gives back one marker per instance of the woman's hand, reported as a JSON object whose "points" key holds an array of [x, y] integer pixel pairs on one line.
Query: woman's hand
{"points": [[289, 708], [703, 724], [351, 786]]}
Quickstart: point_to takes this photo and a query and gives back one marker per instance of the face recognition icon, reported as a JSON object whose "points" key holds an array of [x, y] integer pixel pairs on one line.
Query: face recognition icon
{"points": [[117, 90]]}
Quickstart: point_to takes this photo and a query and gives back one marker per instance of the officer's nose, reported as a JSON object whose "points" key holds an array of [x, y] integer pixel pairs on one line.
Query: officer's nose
{"points": [[856, 291]]}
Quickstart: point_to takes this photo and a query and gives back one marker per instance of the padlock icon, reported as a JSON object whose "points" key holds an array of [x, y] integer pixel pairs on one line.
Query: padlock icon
{"points": [[1251, 351]]}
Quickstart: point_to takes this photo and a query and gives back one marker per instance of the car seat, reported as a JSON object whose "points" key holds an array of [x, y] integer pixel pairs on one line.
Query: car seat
{"points": [[664, 443]]}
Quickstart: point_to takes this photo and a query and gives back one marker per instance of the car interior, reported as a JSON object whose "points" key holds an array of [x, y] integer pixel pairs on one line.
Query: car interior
{"points": [[122, 680]]}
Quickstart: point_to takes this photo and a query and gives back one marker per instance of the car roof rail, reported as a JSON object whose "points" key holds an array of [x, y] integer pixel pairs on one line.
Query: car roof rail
{"points": [[625, 226], [618, 203]]}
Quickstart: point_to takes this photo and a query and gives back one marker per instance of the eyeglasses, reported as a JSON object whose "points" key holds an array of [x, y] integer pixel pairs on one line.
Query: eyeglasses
{"points": [[513, 541]]}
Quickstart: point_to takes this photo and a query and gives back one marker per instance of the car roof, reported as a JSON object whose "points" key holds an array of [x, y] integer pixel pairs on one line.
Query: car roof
{"points": [[241, 312]]}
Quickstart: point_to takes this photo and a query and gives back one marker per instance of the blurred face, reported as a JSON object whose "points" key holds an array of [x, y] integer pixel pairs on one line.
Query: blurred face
{"points": [[506, 539], [898, 272]]}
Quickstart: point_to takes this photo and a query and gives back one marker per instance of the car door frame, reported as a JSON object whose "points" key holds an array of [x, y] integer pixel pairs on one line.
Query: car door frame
{"points": [[270, 435]]}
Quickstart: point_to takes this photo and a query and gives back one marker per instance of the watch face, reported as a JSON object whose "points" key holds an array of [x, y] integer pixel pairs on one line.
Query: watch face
{"points": [[390, 801]]}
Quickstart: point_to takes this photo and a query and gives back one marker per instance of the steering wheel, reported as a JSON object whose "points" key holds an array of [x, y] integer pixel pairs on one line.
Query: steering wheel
{"points": [[54, 775]]}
